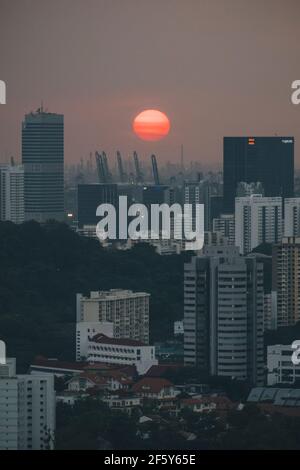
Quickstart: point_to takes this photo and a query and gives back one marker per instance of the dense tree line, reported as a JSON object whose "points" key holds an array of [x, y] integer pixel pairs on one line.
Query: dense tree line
{"points": [[43, 267]]}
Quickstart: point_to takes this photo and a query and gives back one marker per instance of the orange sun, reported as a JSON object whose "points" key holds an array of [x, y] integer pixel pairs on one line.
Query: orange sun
{"points": [[151, 125]]}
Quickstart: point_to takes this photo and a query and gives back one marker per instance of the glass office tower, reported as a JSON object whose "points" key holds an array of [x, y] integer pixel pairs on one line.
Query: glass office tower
{"points": [[268, 160], [43, 160]]}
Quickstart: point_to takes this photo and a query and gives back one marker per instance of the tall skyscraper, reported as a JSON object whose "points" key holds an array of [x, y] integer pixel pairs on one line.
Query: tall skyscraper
{"points": [[258, 220], [268, 160], [223, 314], [43, 160], [286, 280], [12, 193]]}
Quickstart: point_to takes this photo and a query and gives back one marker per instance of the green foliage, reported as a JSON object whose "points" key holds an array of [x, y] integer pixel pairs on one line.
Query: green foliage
{"points": [[43, 267], [89, 423]]}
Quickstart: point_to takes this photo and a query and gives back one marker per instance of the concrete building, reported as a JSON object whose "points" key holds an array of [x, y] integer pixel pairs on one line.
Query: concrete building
{"points": [[292, 217], [121, 351], [281, 369], [27, 410], [12, 193], [223, 314], [286, 280], [258, 220], [127, 310], [270, 311], [225, 224], [43, 160], [85, 331]]}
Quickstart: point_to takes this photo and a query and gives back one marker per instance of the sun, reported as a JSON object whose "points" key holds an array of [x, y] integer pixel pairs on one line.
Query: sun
{"points": [[151, 125]]}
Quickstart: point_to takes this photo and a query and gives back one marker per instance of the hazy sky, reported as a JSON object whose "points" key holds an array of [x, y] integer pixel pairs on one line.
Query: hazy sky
{"points": [[215, 67]]}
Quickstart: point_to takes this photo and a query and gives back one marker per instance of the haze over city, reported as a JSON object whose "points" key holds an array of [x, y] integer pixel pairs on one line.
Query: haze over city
{"points": [[215, 68]]}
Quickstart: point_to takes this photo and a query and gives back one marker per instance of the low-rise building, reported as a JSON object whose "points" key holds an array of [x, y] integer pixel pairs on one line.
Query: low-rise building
{"points": [[155, 388], [101, 348], [123, 401]]}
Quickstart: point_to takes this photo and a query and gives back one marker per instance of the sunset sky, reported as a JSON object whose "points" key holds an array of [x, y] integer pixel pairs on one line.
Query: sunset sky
{"points": [[215, 67]]}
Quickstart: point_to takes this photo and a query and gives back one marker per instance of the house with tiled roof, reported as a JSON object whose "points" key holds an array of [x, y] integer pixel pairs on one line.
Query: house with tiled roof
{"points": [[155, 388]]}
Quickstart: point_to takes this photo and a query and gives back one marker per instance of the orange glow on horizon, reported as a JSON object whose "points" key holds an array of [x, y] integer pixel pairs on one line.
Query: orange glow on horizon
{"points": [[151, 125]]}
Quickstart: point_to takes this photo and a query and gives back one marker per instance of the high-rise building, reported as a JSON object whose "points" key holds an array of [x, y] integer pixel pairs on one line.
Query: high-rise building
{"points": [[43, 160], [258, 220], [223, 314], [27, 410], [286, 280], [12, 193], [90, 196], [270, 311], [292, 217], [127, 310], [225, 224], [267, 160]]}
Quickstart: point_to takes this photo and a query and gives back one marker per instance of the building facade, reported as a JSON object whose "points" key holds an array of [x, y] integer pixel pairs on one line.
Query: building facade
{"points": [[286, 280], [127, 310], [90, 196], [258, 220], [43, 160], [281, 369], [292, 217], [223, 314], [12, 193], [225, 224], [27, 411], [103, 349]]}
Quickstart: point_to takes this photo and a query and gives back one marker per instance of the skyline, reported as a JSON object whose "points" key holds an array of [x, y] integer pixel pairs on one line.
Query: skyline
{"points": [[204, 61]]}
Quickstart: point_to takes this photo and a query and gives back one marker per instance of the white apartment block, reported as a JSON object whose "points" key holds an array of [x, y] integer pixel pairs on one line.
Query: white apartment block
{"points": [[225, 224], [292, 217], [12, 193], [281, 370], [258, 220], [127, 310], [85, 331], [27, 410], [223, 314], [122, 351]]}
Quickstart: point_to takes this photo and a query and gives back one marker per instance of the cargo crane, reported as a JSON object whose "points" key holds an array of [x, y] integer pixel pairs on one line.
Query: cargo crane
{"points": [[108, 175], [100, 168], [139, 175], [122, 174], [155, 170]]}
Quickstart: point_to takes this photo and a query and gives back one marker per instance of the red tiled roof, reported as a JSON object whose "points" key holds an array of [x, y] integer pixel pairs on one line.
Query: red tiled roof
{"points": [[160, 369], [40, 361], [56, 364], [151, 385], [101, 338]]}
